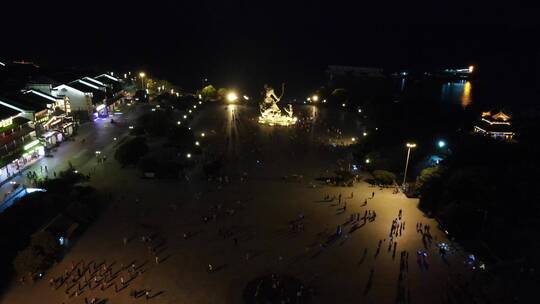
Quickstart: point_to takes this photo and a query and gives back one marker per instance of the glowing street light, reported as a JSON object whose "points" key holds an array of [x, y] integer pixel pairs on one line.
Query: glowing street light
{"points": [[343, 105], [188, 155], [232, 97], [202, 134], [185, 116], [409, 147], [368, 160], [364, 134], [179, 122], [441, 143], [197, 143], [315, 97], [353, 139], [471, 68], [142, 75], [246, 97]]}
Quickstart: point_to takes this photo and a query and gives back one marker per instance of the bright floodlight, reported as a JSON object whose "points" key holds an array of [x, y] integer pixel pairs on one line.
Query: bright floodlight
{"points": [[197, 143], [471, 68], [441, 143], [353, 139], [364, 134], [315, 98], [142, 74], [246, 97], [368, 161], [202, 134], [232, 97], [188, 155], [185, 116], [411, 145], [343, 105]]}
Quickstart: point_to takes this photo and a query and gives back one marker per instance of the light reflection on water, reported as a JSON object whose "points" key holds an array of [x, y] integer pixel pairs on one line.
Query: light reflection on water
{"points": [[457, 93]]}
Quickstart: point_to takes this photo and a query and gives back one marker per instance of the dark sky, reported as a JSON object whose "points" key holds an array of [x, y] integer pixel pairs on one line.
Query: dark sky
{"points": [[235, 42]]}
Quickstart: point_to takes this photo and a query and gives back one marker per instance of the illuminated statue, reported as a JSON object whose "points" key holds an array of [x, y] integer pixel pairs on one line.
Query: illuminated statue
{"points": [[271, 113]]}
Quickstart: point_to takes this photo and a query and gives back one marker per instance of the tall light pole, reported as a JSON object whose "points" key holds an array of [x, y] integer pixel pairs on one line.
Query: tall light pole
{"points": [[409, 147], [142, 74]]}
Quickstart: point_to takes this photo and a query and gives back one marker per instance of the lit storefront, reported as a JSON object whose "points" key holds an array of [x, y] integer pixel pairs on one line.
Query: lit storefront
{"points": [[52, 138]]}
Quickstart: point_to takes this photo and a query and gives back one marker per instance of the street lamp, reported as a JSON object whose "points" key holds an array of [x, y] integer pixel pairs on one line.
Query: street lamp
{"points": [[441, 143], [409, 147], [315, 98], [142, 75], [232, 97]]}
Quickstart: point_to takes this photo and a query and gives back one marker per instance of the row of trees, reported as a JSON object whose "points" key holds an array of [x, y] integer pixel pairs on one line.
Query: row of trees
{"points": [[487, 190], [165, 160]]}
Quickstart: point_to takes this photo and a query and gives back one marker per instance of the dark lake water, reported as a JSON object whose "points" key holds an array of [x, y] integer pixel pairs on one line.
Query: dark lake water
{"points": [[469, 95]]}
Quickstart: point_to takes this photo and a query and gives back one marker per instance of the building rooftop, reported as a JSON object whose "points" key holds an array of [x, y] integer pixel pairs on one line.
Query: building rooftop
{"points": [[6, 112], [106, 78], [25, 103], [499, 122], [84, 87]]}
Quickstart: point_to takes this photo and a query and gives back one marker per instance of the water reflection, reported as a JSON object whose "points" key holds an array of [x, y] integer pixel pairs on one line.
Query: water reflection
{"points": [[457, 93], [466, 97]]}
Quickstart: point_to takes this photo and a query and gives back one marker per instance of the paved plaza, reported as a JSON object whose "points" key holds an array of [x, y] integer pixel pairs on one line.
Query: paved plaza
{"points": [[202, 241]]}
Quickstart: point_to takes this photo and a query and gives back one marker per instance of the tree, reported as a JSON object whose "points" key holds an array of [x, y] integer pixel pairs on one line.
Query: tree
{"points": [[209, 92], [427, 176], [156, 123], [222, 93], [384, 177], [131, 151], [181, 138], [29, 260], [46, 243], [340, 95]]}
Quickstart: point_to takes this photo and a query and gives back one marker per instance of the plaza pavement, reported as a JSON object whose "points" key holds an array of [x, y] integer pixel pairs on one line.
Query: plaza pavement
{"points": [[264, 205]]}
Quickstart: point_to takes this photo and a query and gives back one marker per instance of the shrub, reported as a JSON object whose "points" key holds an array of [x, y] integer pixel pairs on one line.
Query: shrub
{"points": [[384, 177], [130, 152]]}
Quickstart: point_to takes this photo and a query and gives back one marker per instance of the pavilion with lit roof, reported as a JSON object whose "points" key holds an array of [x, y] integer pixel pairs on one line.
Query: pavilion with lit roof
{"points": [[498, 126]]}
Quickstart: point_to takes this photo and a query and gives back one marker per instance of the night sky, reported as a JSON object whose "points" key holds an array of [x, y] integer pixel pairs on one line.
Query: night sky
{"points": [[238, 42]]}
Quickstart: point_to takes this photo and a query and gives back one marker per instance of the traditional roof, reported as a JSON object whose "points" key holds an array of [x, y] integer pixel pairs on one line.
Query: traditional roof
{"points": [[499, 122], [6, 112], [21, 103], [39, 97], [84, 87], [501, 116], [93, 81], [106, 78]]}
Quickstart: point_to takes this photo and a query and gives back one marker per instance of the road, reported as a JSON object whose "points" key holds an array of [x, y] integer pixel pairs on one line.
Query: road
{"points": [[98, 136]]}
